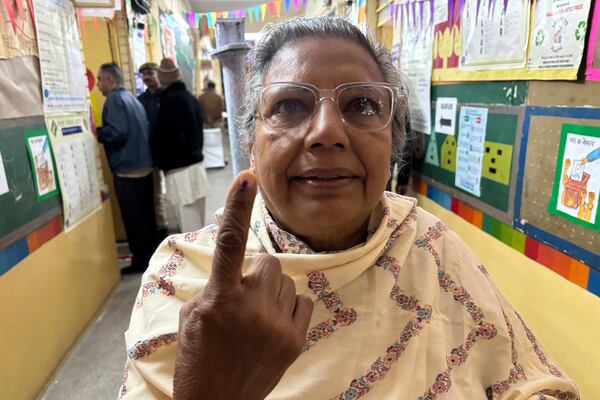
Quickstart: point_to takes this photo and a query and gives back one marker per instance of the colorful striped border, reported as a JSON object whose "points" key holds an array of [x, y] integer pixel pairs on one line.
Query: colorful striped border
{"points": [[13, 254], [570, 268]]}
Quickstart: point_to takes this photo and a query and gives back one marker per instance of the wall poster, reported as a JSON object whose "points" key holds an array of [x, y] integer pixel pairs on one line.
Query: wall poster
{"points": [[415, 60], [494, 34], [558, 33], [469, 151], [42, 164], [64, 84], [76, 153], [577, 179]]}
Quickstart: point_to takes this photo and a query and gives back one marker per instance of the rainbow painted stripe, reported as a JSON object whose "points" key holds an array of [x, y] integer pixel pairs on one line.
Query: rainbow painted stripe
{"points": [[570, 268]]}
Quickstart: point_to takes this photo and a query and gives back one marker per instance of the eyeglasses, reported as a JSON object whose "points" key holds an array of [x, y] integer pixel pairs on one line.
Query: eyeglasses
{"points": [[365, 106]]}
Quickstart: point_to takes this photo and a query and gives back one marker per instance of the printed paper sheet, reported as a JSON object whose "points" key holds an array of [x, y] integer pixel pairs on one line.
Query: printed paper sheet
{"points": [[3, 180], [64, 85], [469, 152], [415, 61], [75, 150], [42, 164], [494, 37]]}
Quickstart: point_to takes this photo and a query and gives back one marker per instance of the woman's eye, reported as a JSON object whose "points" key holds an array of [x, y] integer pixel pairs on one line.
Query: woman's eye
{"points": [[364, 106], [287, 107]]}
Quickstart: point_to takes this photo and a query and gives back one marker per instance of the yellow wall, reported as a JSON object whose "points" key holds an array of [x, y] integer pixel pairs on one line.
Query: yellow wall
{"points": [[563, 316], [48, 299]]}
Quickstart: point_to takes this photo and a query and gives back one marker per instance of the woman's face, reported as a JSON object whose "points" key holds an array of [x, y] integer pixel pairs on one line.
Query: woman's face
{"points": [[323, 182]]}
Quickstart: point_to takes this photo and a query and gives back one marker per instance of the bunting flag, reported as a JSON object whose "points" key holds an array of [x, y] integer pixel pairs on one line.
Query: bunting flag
{"points": [[95, 24], [278, 8], [213, 16], [11, 14], [257, 13], [81, 21], [197, 17], [31, 13], [263, 11], [295, 5], [271, 8], [21, 11], [504, 5], [287, 6]]}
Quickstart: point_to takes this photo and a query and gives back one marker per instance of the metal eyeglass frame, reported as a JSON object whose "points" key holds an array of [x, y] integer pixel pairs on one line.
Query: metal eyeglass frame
{"points": [[396, 91]]}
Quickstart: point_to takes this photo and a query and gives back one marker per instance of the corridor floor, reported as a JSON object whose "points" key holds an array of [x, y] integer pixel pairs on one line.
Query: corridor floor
{"points": [[92, 371]]}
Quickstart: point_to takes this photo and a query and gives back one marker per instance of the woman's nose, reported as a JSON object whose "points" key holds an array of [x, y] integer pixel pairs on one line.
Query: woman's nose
{"points": [[326, 129]]}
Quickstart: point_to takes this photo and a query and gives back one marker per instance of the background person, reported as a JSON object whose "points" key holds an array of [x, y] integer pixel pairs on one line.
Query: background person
{"points": [[124, 133], [177, 142], [402, 308], [150, 99], [212, 106]]}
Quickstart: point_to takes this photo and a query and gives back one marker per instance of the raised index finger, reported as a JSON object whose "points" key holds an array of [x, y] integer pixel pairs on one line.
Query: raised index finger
{"points": [[233, 232]]}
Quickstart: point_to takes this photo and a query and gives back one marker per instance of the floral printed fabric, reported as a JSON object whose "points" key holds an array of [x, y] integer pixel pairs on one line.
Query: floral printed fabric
{"points": [[408, 314]]}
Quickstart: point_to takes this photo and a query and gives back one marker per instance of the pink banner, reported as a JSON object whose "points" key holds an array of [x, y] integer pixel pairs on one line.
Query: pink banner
{"points": [[592, 71]]}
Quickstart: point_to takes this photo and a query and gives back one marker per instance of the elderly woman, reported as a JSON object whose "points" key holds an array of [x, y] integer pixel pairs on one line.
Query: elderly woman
{"points": [[402, 309]]}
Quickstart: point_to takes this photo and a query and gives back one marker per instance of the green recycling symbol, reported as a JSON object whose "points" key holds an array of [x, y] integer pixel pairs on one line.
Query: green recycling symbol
{"points": [[580, 31], [539, 37]]}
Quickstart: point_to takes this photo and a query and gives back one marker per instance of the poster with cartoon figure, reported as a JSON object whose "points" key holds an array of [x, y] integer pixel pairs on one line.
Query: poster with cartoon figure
{"points": [[42, 163], [577, 180], [558, 34]]}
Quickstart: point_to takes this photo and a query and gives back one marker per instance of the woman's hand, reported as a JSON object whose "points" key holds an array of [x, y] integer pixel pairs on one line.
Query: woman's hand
{"points": [[238, 337]]}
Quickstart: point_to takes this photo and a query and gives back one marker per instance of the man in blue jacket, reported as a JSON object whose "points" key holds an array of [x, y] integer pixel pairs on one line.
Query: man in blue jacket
{"points": [[125, 135]]}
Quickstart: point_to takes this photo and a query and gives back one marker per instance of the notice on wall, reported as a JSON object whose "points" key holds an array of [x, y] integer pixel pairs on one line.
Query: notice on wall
{"points": [[42, 164], [3, 180], [75, 150], [445, 115], [577, 180], [63, 74], [469, 153], [494, 37], [415, 63], [558, 34], [17, 35]]}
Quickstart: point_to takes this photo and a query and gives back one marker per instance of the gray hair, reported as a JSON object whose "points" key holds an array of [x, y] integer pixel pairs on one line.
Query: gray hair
{"points": [[113, 70], [278, 35]]}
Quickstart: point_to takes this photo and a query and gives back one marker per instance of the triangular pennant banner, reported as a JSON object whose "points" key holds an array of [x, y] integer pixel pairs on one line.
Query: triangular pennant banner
{"points": [[287, 6], [263, 11], [304, 3], [295, 5], [257, 13], [213, 17], [250, 15], [278, 8], [95, 24], [11, 14], [197, 20], [30, 3], [271, 8], [209, 20], [81, 22]]}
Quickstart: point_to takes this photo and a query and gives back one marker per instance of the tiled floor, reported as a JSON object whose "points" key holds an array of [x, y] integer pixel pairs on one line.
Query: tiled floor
{"points": [[93, 368]]}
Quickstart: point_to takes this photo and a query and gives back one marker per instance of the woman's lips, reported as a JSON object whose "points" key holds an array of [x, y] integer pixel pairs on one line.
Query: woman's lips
{"points": [[326, 178]]}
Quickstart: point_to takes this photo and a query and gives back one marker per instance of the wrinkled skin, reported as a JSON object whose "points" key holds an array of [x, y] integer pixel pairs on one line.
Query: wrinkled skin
{"points": [[238, 337]]}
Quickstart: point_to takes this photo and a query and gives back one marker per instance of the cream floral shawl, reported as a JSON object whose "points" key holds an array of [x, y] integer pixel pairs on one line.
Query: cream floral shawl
{"points": [[410, 314]]}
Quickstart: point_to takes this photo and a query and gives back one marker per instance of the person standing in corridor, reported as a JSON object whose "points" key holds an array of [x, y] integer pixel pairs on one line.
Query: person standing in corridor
{"points": [[125, 135], [177, 143], [150, 99], [212, 106]]}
